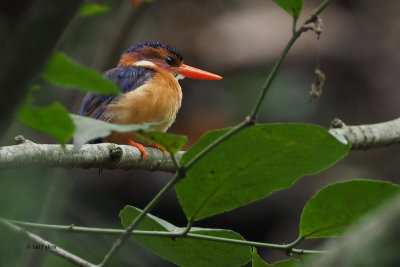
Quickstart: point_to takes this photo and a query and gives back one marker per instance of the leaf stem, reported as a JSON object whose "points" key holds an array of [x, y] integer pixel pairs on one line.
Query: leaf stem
{"points": [[295, 243], [295, 19], [178, 165], [184, 234]]}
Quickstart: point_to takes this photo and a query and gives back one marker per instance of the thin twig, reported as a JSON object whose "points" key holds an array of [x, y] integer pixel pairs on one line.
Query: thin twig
{"points": [[183, 234], [296, 34], [50, 247]]}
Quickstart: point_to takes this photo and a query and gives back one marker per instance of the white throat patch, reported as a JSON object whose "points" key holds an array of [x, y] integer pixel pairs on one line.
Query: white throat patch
{"points": [[144, 63], [179, 76]]}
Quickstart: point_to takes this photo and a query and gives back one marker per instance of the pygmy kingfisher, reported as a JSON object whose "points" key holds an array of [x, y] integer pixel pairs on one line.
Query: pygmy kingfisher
{"points": [[147, 76]]}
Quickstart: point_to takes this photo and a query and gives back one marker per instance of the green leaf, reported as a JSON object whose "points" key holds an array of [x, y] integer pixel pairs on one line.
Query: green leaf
{"points": [[293, 7], [338, 205], [90, 9], [170, 142], [258, 262], [65, 72], [188, 251], [53, 120], [88, 129], [252, 164]]}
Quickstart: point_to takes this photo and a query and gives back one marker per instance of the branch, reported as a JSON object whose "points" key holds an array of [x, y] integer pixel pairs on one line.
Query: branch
{"points": [[47, 245], [111, 156], [368, 135], [183, 234], [101, 156]]}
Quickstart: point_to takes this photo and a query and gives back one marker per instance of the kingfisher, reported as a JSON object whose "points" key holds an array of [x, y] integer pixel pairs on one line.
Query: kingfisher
{"points": [[147, 76]]}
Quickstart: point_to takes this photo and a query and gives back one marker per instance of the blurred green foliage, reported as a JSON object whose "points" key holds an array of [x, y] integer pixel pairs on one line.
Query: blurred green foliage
{"points": [[91, 9]]}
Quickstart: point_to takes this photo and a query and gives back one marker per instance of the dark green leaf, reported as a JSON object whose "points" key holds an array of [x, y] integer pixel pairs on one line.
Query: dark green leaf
{"points": [[252, 164], [188, 251], [170, 142], [88, 129], [90, 9], [293, 7], [53, 120], [65, 72], [258, 262], [338, 205]]}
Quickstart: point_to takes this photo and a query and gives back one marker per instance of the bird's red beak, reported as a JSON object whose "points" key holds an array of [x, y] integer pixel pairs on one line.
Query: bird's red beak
{"points": [[194, 73]]}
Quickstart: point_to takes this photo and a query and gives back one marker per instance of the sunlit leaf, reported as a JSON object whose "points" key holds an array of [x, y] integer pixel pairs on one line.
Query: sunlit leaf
{"points": [[188, 251], [338, 205], [65, 72], [252, 164]]}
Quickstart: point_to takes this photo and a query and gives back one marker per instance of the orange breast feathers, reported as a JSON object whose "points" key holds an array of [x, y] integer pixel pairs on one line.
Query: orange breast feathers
{"points": [[157, 100]]}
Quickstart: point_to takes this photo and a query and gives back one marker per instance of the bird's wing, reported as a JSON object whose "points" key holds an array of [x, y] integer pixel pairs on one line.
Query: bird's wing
{"points": [[127, 78]]}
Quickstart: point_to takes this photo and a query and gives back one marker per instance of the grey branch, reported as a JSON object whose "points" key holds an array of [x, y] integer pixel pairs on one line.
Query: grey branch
{"points": [[368, 135], [101, 156], [112, 156], [46, 245]]}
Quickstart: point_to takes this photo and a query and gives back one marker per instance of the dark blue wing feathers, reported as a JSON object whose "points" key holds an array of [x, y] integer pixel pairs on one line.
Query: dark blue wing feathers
{"points": [[127, 78]]}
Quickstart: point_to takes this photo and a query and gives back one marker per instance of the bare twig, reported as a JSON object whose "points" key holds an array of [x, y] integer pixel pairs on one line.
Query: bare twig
{"points": [[183, 234], [48, 246]]}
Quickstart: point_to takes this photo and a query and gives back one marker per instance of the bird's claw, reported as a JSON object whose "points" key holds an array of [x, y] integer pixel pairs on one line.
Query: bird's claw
{"points": [[138, 146], [159, 148]]}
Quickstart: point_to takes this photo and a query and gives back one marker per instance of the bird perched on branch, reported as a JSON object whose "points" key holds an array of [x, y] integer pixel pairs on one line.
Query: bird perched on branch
{"points": [[147, 76]]}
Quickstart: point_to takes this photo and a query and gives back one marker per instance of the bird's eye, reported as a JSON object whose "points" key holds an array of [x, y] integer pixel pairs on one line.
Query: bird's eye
{"points": [[170, 61]]}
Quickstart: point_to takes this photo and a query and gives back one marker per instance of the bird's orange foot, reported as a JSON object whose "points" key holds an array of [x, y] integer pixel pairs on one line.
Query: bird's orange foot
{"points": [[160, 148], [138, 146]]}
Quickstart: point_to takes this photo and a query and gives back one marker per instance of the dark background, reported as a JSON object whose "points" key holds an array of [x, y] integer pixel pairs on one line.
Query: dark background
{"points": [[240, 40]]}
